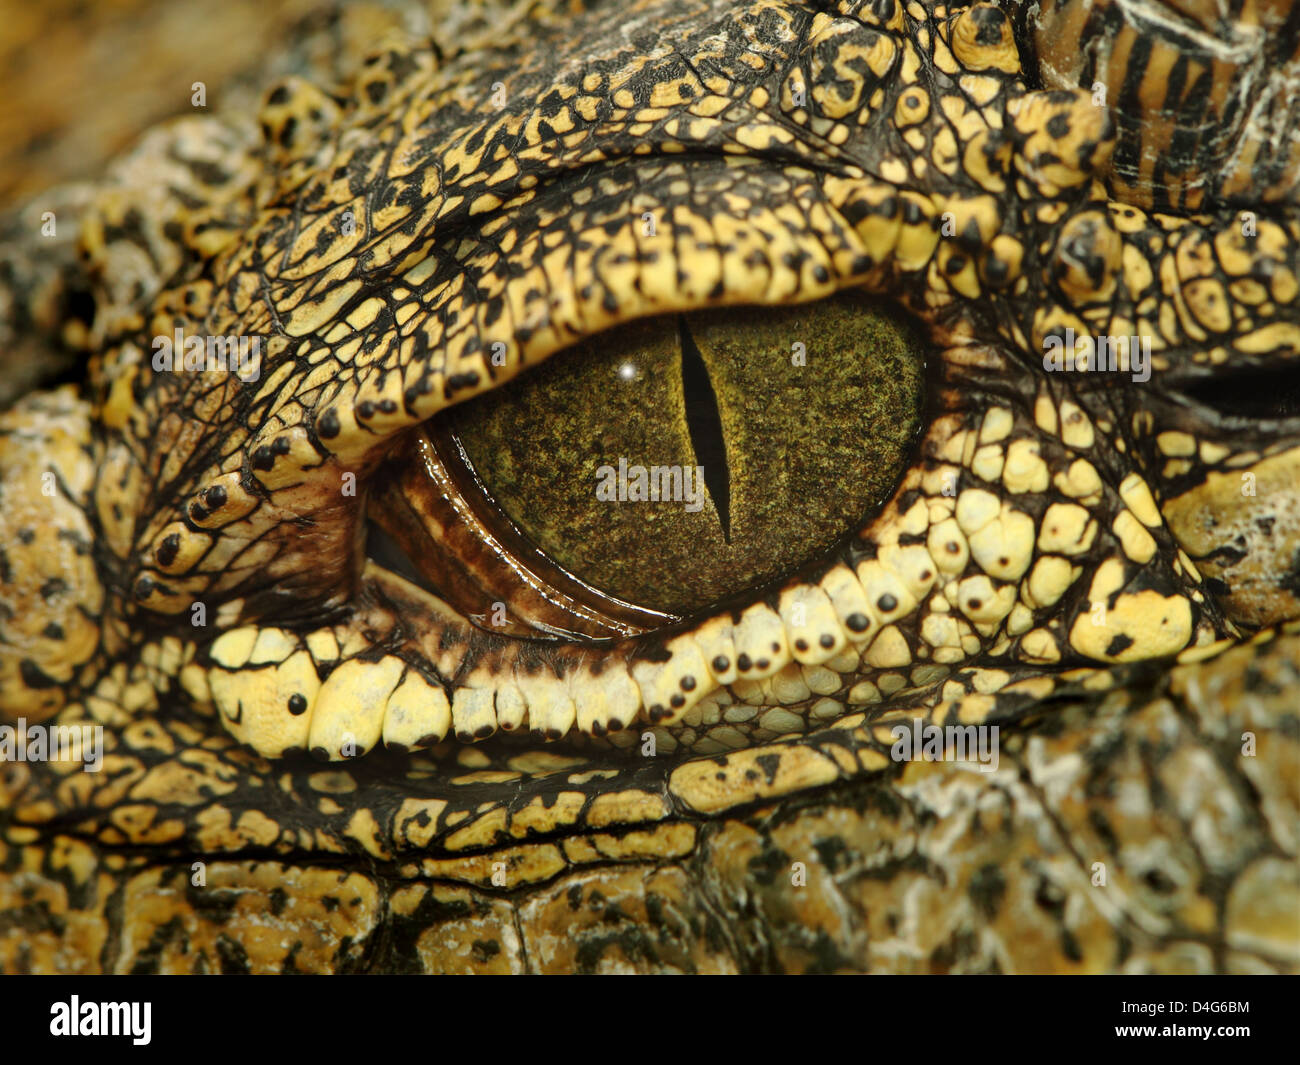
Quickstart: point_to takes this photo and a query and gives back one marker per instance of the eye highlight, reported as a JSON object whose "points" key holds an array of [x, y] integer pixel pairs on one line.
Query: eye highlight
{"points": [[676, 462]]}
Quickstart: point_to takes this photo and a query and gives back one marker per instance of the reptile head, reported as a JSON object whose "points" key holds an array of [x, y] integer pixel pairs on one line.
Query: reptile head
{"points": [[1072, 457]]}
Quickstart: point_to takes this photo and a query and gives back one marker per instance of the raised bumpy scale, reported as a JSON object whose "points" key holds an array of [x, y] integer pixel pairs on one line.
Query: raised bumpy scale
{"points": [[419, 207]]}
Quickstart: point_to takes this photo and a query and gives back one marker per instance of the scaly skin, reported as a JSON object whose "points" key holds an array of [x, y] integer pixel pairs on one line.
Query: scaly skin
{"points": [[1056, 537]]}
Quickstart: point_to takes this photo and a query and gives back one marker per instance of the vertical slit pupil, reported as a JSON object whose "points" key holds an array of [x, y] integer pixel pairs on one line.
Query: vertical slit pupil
{"points": [[704, 423]]}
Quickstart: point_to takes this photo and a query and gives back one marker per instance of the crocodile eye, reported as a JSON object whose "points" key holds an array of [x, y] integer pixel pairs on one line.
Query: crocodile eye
{"points": [[672, 463]]}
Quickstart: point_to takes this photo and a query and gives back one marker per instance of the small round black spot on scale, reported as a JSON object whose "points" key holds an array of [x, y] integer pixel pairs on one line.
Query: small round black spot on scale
{"points": [[297, 704], [411, 395], [988, 22], [166, 553], [952, 547], [1058, 127], [320, 754], [886, 603], [827, 640], [801, 644], [1004, 561], [677, 699], [821, 274], [328, 424], [26, 536], [721, 663], [658, 712], [263, 459], [387, 406], [763, 663], [215, 497], [144, 587], [280, 445], [615, 724], [197, 510], [975, 604], [776, 648], [365, 409], [483, 731], [688, 683], [926, 575], [507, 726], [858, 622], [744, 663]]}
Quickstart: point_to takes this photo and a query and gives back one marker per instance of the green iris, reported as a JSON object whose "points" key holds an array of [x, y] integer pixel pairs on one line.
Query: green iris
{"points": [[676, 462]]}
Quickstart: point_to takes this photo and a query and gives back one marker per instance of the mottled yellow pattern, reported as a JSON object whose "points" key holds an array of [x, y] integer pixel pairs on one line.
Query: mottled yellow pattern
{"points": [[483, 189]]}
